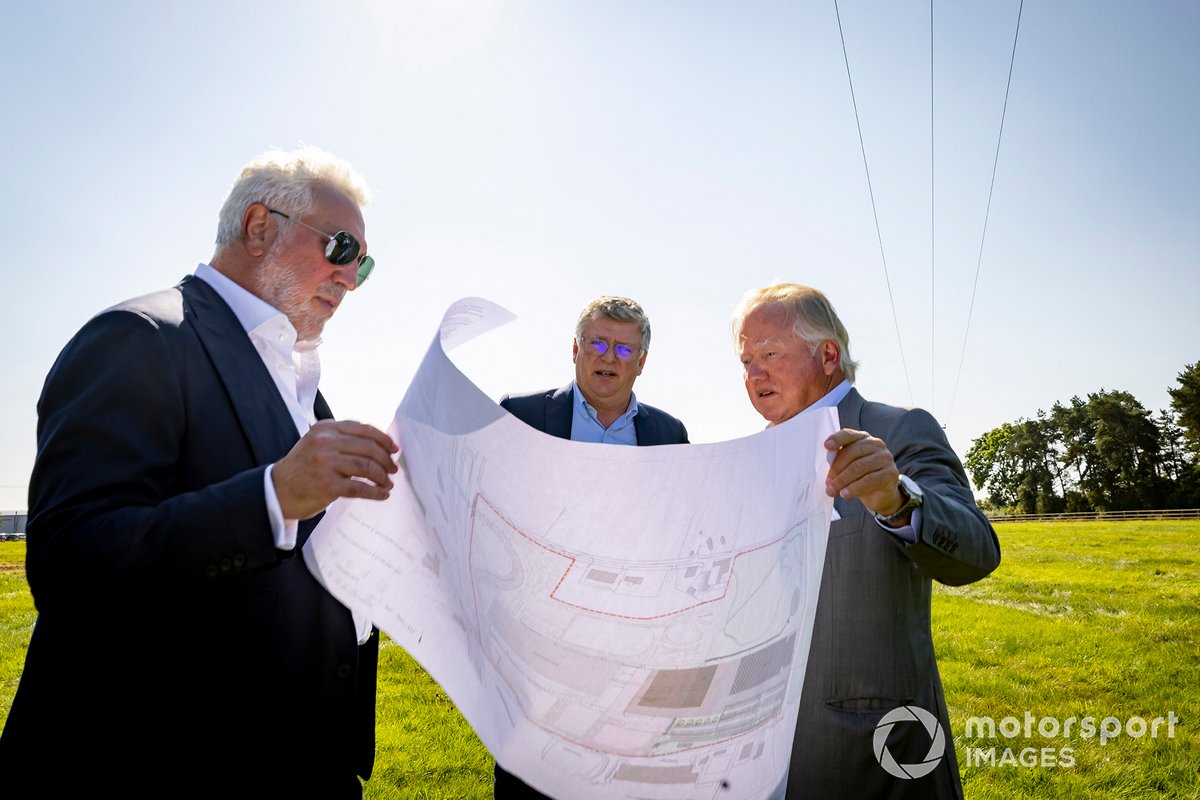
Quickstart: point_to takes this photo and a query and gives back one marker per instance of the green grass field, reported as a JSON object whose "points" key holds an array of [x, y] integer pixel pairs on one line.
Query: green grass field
{"points": [[1082, 619]]}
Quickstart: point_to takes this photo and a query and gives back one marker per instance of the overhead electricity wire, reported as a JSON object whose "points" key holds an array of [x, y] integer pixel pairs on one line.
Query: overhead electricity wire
{"points": [[932, 231], [871, 191], [983, 237]]}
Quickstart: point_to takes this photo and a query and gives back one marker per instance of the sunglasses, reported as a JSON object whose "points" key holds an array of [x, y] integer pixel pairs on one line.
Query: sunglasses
{"points": [[340, 248], [623, 351]]}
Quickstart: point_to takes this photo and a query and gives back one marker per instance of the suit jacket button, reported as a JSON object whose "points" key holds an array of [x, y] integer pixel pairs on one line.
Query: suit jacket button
{"points": [[226, 565], [239, 560], [212, 571], [344, 671]]}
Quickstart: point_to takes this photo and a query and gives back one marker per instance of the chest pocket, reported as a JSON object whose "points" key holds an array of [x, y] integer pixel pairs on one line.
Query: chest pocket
{"points": [[852, 514]]}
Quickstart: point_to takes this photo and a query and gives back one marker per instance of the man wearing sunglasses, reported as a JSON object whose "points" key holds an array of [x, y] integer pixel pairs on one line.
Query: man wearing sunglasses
{"points": [[184, 457], [612, 339]]}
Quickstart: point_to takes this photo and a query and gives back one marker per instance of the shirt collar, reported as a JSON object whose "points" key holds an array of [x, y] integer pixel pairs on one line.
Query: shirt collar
{"points": [[583, 404], [250, 309], [834, 396]]}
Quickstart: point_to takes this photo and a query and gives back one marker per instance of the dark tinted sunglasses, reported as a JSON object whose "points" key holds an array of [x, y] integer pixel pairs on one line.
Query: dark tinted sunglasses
{"points": [[340, 248]]}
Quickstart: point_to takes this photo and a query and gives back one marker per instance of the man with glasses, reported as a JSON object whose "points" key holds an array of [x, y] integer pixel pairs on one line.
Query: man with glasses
{"points": [[612, 339], [184, 457]]}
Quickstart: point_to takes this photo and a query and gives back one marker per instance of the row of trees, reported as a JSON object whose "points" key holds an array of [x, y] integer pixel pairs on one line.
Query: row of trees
{"points": [[1105, 453]]}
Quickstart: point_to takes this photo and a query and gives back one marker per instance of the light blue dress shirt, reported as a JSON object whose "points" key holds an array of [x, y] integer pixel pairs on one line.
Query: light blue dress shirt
{"points": [[586, 427]]}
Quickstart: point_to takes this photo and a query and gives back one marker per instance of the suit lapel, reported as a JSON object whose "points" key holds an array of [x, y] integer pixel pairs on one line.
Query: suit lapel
{"points": [[646, 427], [322, 411], [850, 410], [849, 416], [321, 408], [559, 411], [260, 410]]}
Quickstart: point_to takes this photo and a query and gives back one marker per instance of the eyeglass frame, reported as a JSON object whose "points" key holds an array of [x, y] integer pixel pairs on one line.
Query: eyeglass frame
{"points": [[366, 264], [595, 342]]}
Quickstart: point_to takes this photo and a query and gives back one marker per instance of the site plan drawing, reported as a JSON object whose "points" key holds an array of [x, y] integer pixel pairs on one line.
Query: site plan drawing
{"points": [[614, 622]]}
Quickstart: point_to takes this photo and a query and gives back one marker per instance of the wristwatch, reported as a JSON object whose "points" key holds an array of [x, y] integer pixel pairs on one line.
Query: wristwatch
{"points": [[913, 498]]}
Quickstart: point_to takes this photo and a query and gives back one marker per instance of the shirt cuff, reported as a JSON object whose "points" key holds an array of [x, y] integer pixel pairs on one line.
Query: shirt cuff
{"points": [[910, 533], [283, 531]]}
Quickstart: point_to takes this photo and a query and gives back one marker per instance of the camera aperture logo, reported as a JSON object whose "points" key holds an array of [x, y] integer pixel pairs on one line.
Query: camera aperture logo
{"points": [[937, 742]]}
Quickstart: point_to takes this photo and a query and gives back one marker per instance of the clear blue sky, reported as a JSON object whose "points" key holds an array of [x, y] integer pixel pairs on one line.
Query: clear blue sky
{"points": [[539, 153]]}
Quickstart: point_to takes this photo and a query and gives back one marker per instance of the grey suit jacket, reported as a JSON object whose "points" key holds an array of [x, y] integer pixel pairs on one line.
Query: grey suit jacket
{"points": [[164, 610], [551, 412], [872, 650]]}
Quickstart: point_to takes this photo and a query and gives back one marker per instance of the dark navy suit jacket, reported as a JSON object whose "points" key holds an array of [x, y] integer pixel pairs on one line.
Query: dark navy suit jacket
{"points": [[173, 641], [551, 412]]}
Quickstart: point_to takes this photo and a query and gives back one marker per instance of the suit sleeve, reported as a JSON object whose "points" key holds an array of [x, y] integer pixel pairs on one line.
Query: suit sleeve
{"points": [[957, 544], [110, 503]]}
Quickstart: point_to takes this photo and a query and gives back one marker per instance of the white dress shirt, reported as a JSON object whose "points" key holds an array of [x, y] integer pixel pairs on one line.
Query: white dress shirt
{"points": [[296, 370]]}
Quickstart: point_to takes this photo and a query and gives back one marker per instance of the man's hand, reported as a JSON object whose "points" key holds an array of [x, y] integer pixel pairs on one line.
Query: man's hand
{"points": [[334, 459], [863, 468]]}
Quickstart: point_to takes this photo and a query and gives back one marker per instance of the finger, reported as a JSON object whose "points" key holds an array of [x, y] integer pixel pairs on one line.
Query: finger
{"points": [[353, 428], [363, 490], [874, 483], [379, 437], [376, 454], [323, 489], [365, 446], [367, 470], [845, 436], [869, 464], [330, 464], [853, 453]]}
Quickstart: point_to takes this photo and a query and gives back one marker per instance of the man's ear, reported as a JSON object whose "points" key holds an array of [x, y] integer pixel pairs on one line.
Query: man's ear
{"points": [[642, 361], [257, 230], [831, 356], [574, 350]]}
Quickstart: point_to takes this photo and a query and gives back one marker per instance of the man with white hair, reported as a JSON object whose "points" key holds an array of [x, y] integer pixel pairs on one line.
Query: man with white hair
{"points": [[907, 518], [184, 457]]}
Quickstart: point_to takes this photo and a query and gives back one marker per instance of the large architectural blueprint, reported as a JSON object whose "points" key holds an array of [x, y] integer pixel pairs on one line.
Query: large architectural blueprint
{"points": [[614, 622]]}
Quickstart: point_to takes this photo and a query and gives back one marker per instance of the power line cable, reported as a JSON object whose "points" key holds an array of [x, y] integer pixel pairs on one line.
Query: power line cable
{"points": [[932, 231], [979, 262], [871, 191]]}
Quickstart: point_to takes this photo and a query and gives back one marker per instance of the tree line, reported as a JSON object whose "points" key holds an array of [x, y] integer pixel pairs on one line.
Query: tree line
{"points": [[1105, 453]]}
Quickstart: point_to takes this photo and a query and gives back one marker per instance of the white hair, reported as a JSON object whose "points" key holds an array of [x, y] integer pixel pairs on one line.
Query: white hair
{"points": [[810, 312], [284, 181]]}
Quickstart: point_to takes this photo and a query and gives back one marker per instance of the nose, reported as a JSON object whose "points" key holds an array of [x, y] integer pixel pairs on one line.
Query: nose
{"points": [[346, 275], [753, 369]]}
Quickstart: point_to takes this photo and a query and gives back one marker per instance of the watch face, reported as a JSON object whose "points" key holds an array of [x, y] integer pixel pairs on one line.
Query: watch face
{"points": [[910, 488], [913, 498]]}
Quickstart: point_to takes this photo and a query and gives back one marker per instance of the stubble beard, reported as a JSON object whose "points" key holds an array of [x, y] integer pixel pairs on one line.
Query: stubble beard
{"points": [[281, 287]]}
